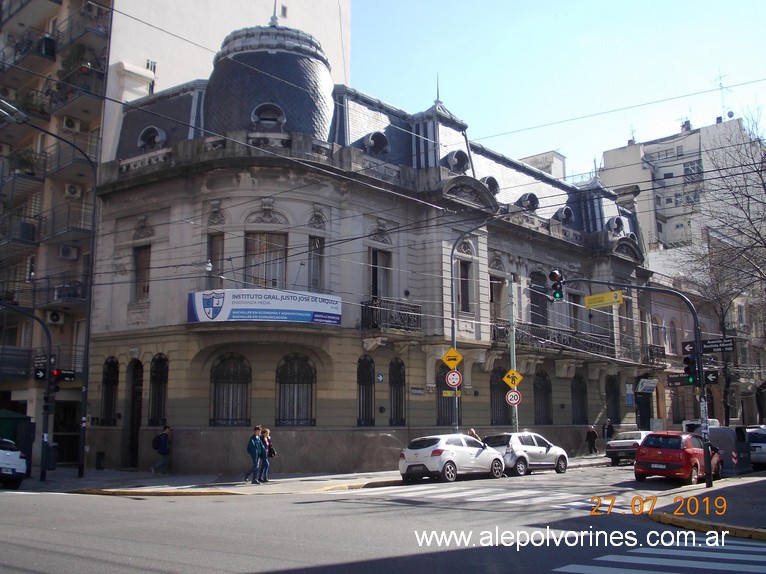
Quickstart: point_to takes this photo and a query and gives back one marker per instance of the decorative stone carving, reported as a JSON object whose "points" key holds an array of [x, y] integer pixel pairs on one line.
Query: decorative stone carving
{"points": [[371, 343]]}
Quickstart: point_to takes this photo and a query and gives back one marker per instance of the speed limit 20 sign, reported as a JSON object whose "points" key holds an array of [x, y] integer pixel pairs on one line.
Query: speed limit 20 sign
{"points": [[513, 397]]}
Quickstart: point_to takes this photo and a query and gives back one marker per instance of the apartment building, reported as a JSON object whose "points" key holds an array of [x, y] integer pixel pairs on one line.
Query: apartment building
{"points": [[671, 178]]}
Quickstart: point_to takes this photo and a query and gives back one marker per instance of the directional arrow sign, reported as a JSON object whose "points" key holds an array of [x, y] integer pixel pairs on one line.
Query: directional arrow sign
{"points": [[711, 377], [41, 374], [689, 347]]}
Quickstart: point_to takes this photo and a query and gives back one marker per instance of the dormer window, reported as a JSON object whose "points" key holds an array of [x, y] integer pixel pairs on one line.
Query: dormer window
{"points": [[268, 118], [152, 138], [376, 143]]}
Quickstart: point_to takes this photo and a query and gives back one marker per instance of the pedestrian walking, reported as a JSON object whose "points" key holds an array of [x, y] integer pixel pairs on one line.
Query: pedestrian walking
{"points": [[269, 452], [254, 449], [607, 430], [161, 443], [591, 437]]}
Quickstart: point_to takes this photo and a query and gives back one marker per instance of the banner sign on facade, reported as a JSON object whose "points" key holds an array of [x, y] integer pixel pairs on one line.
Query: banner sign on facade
{"points": [[263, 305]]}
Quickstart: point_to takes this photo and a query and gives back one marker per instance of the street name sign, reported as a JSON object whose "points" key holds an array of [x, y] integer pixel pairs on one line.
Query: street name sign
{"points": [[722, 345], [603, 299]]}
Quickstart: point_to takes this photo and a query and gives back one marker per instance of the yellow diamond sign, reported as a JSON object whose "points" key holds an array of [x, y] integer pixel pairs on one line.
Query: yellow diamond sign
{"points": [[512, 378], [452, 358]]}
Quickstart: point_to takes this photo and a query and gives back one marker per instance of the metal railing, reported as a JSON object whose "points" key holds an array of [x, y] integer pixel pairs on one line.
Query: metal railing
{"points": [[391, 314]]}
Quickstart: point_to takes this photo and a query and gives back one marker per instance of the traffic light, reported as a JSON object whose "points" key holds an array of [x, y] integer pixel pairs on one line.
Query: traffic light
{"points": [[690, 369], [57, 375], [557, 289], [48, 404]]}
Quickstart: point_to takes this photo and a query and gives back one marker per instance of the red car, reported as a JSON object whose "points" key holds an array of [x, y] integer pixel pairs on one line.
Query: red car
{"points": [[675, 455]]}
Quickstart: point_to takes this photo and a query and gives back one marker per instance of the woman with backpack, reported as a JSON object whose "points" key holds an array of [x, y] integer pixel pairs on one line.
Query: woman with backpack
{"points": [[161, 444]]}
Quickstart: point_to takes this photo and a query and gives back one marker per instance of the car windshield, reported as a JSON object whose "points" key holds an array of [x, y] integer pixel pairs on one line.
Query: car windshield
{"points": [[8, 445], [420, 443], [757, 437], [497, 440], [660, 441], [630, 435]]}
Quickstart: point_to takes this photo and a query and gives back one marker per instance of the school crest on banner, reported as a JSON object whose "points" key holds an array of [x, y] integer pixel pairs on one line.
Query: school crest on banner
{"points": [[212, 303]]}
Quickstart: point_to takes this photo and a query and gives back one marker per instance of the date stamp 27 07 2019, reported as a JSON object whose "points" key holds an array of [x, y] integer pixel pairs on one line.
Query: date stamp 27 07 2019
{"points": [[683, 506]]}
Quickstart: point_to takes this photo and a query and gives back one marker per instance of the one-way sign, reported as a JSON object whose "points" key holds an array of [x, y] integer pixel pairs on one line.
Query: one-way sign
{"points": [[711, 377]]}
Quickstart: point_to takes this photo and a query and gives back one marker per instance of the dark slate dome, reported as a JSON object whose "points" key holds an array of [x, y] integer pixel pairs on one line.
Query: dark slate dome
{"points": [[272, 68]]}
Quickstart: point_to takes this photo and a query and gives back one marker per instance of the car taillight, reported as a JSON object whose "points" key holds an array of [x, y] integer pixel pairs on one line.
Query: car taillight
{"points": [[437, 452], [401, 455]]}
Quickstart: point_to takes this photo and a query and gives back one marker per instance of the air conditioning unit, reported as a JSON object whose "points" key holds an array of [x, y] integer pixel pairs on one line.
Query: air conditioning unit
{"points": [[7, 93], [71, 124], [68, 252], [5, 149], [72, 191], [54, 318]]}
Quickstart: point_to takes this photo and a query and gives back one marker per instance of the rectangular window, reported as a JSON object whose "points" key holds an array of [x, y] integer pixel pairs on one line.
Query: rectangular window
{"points": [[464, 286], [266, 256], [693, 171], [316, 264], [142, 260], [380, 268], [216, 258]]}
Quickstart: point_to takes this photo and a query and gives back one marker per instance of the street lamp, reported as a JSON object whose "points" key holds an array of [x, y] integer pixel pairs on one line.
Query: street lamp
{"points": [[453, 302], [17, 116]]}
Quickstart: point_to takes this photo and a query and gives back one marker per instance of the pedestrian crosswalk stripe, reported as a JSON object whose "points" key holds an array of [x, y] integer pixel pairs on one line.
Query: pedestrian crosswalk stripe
{"points": [[720, 566], [591, 569], [459, 493], [702, 552]]}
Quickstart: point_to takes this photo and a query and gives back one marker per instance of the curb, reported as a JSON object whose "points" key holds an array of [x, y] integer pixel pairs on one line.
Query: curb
{"points": [[170, 492], [701, 525]]}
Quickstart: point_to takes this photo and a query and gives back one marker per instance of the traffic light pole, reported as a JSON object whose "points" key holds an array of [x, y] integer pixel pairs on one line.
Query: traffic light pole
{"points": [[697, 354], [48, 384]]}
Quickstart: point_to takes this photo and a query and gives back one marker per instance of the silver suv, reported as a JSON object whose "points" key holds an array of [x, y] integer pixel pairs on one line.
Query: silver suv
{"points": [[524, 452]]}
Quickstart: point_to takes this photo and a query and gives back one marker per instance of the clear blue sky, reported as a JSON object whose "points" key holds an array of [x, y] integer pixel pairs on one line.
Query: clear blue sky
{"points": [[520, 72]]}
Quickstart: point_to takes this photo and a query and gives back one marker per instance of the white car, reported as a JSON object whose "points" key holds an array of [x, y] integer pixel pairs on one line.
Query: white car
{"points": [[527, 451], [757, 447], [446, 456], [624, 445], [13, 464]]}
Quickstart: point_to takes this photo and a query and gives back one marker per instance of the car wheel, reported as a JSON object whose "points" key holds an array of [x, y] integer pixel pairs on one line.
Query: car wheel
{"points": [[520, 468], [718, 472], [615, 461], [693, 476], [561, 465], [497, 468], [639, 477], [13, 484], [449, 472]]}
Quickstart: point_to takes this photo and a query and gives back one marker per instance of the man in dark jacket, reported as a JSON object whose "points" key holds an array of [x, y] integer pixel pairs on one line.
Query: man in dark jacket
{"points": [[256, 450], [163, 449]]}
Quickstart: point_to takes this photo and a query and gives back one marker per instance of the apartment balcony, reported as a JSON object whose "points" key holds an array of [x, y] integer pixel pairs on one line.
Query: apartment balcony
{"points": [[69, 222], [66, 357], [85, 31], [26, 57], [543, 337], [18, 293], [18, 236], [33, 103], [653, 355], [15, 362], [389, 314], [77, 98], [67, 163], [61, 293], [21, 176], [16, 12]]}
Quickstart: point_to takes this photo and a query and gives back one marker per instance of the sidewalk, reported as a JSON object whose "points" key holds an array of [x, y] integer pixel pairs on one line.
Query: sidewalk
{"points": [[744, 515]]}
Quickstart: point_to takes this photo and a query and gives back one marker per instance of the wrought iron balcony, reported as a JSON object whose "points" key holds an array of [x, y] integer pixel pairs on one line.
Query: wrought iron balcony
{"points": [[391, 314], [653, 355], [543, 336]]}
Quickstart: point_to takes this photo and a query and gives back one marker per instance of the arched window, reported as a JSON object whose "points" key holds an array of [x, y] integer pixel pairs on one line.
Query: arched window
{"points": [[296, 380], [365, 392], [230, 379], [268, 118], [538, 300], [396, 389], [158, 390], [445, 406], [152, 138], [109, 383], [656, 338], [673, 338], [501, 413], [543, 399], [579, 392]]}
